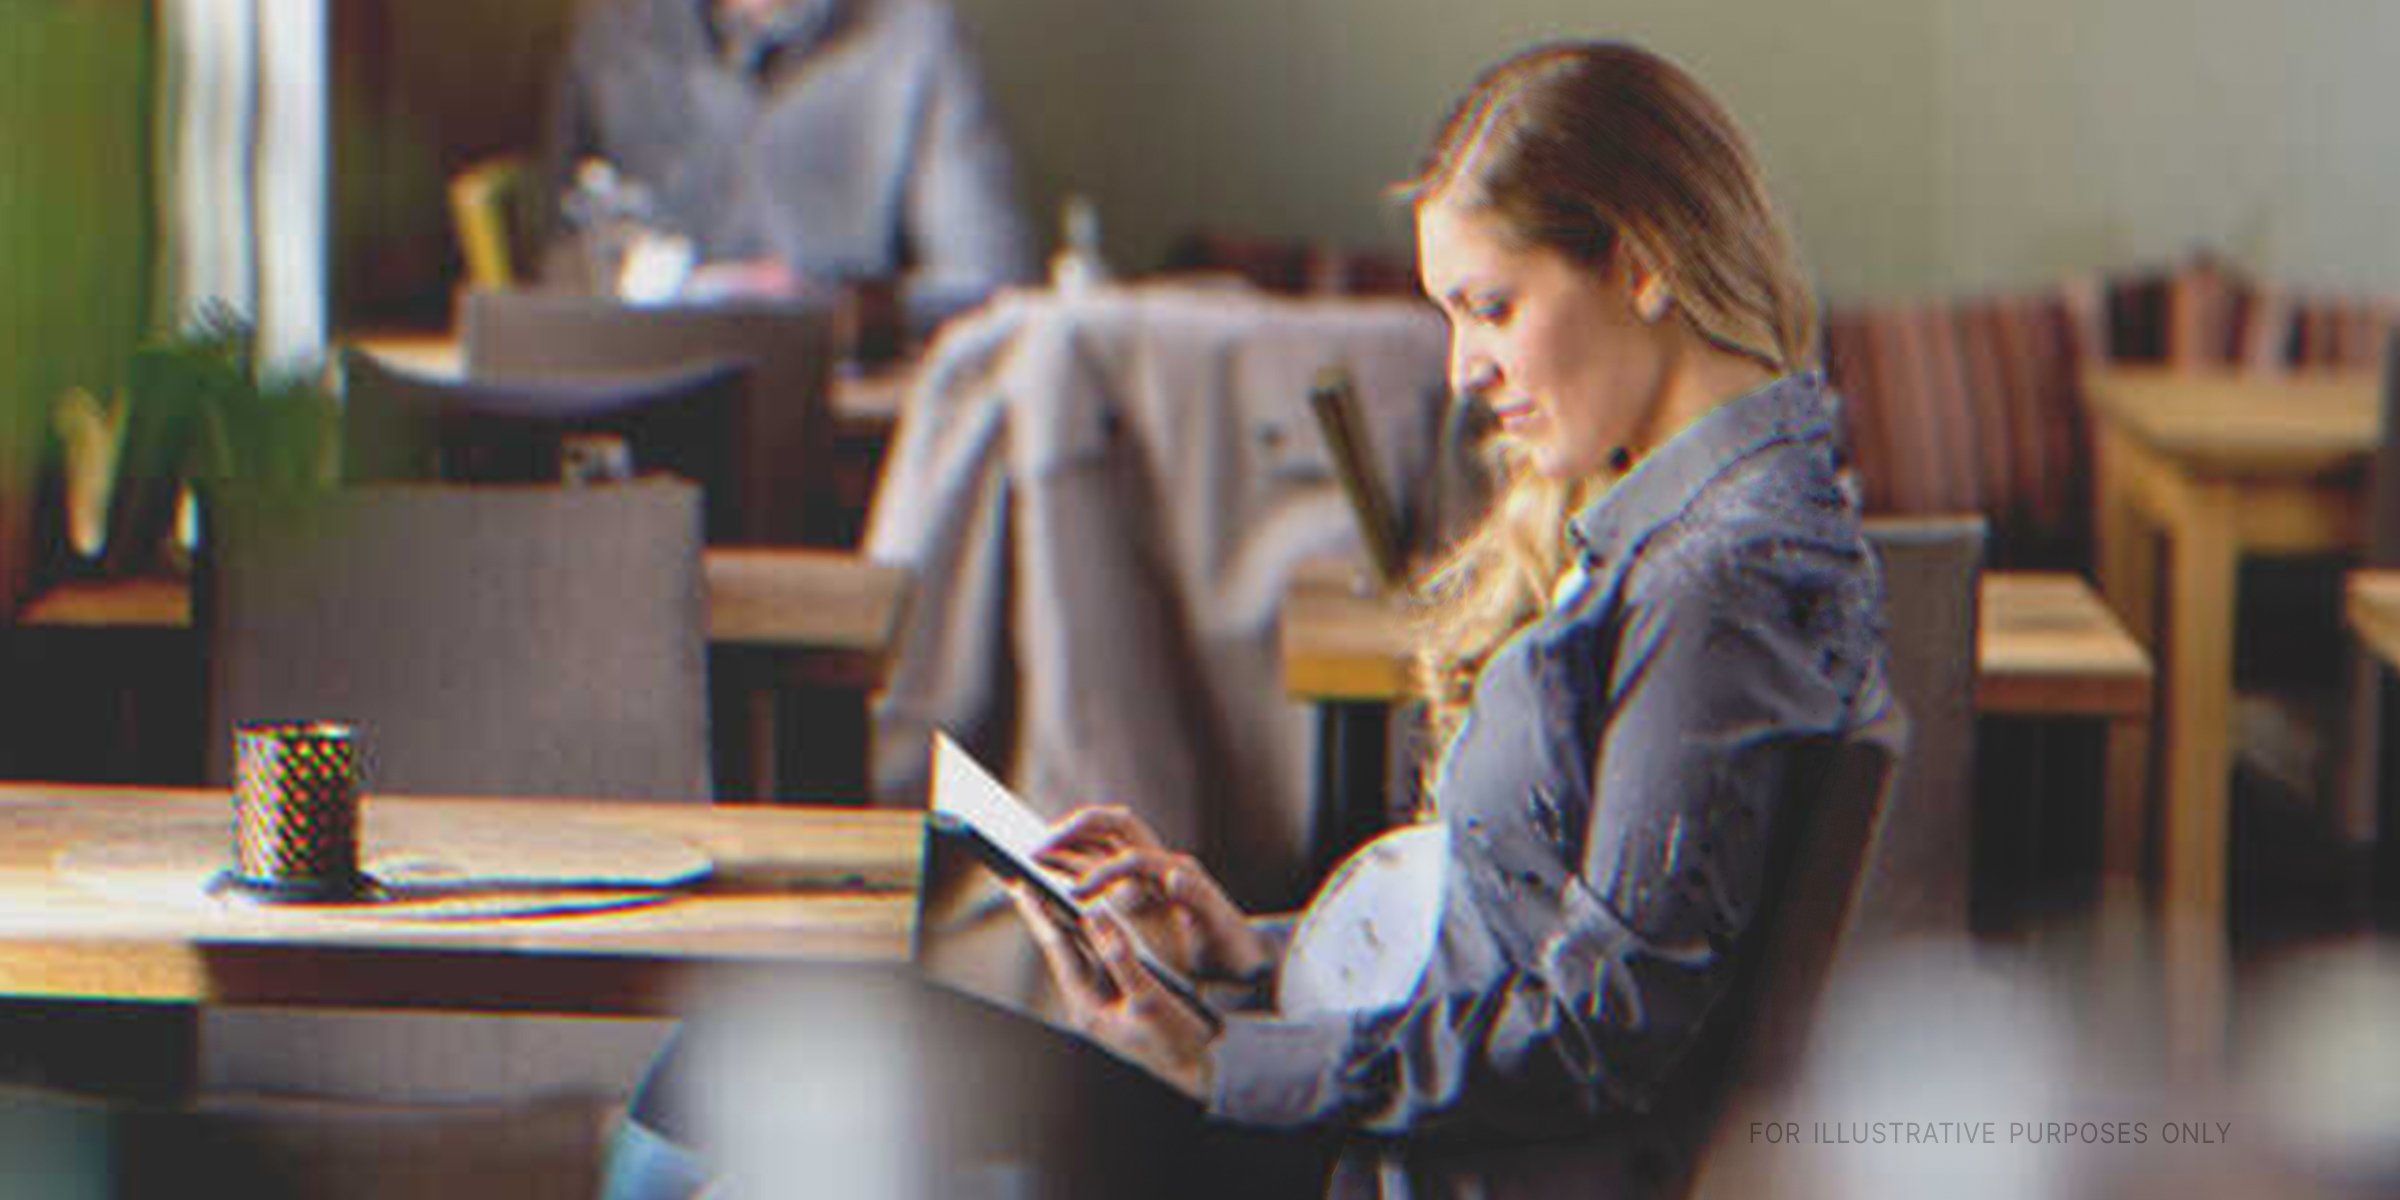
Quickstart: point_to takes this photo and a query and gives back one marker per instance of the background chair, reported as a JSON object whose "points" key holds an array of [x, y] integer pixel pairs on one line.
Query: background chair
{"points": [[492, 209], [782, 480], [1918, 882], [506, 641], [499, 641], [399, 427], [789, 489]]}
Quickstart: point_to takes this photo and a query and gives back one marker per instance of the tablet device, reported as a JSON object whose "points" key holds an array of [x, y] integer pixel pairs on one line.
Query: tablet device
{"points": [[973, 808]]}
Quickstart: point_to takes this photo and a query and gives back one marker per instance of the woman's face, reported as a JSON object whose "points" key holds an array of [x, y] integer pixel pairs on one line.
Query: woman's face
{"points": [[1559, 351]]}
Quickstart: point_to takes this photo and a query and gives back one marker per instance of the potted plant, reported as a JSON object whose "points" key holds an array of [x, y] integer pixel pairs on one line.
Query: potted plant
{"points": [[196, 408]]}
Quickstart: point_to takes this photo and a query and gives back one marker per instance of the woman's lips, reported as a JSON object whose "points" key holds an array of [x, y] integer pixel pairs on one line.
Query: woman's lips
{"points": [[1512, 414]]}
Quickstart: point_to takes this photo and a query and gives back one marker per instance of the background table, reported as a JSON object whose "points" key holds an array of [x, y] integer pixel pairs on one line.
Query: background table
{"points": [[2045, 647], [786, 619], [792, 885], [2216, 466], [805, 600], [2372, 604]]}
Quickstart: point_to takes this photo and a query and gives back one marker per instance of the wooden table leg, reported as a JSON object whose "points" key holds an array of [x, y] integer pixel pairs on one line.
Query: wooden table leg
{"points": [[765, 725], [2126, 556], [2197, 825], [2125, 798], [1353, 746], [2386, 867]]}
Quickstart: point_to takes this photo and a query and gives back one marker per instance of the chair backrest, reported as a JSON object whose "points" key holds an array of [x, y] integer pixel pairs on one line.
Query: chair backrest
{"points": [[1817, 878], [1839, 793], [1971, 406], [522, 641], [402, 427], [1917, 883], [785, 424]]}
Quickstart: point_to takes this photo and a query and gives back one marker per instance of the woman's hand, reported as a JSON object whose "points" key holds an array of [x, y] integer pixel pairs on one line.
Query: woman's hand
{"points": [[1184, 917], [1115, 1000]]}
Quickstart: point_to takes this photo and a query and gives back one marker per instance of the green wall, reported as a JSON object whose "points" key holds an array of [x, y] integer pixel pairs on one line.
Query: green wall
{"points": [[1920, 146], [75, 220], [1287, 118]]}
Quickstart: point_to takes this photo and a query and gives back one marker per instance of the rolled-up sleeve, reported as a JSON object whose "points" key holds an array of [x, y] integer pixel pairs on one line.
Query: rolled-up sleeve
{"points": [[1622, 932]]}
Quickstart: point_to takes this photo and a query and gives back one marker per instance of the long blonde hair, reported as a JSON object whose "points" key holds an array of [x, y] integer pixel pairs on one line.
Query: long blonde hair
{"points": [[1592, 149]]}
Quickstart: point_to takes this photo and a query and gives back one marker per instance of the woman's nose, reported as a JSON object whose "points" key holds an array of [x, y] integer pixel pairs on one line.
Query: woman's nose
{"points": [[1471, 373]]}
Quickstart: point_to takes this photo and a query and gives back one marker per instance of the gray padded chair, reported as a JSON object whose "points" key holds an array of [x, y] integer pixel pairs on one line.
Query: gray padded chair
{"points": [[398, 426], [785, 424], [1906, 874], [1695, 1143], [515, 641], [1918, 882], [784, 478], [527, 641]]}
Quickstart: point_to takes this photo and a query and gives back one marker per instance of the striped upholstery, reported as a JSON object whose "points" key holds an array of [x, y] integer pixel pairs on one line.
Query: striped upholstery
{"points": [[1293, 266], [1976, 405], [2346, 333], [2202, 315], [1971, 407]]}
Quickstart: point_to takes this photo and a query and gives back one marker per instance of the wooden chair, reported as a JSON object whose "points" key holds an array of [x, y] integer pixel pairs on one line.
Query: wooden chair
{"points": [[489, 640], [781, 473], [491, 202], [398, 427]]}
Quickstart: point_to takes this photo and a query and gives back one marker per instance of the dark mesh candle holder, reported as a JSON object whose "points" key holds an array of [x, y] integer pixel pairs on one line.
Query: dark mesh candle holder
{"points": [[295, 813]]}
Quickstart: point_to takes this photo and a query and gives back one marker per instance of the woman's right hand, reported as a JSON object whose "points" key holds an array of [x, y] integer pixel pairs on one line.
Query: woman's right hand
{"points": [[1181, 912]]}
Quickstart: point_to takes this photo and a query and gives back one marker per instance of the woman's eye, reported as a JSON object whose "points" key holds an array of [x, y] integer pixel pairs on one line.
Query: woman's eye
{"points": [[1490, 312]]}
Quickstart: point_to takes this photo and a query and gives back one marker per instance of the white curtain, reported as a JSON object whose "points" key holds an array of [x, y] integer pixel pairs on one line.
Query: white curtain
{"points": [[243, 173]]}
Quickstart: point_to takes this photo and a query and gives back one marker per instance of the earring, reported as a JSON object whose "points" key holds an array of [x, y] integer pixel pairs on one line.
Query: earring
{"points": [[1654, 304], [1620, 460]]}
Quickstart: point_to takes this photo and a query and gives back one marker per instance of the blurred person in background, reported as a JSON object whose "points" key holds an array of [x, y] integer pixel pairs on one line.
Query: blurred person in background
{"points": [[1670, 605], [798, 145]]}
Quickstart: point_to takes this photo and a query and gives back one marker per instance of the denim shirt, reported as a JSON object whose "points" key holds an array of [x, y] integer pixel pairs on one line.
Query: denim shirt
{"points": [[1611, 797]]}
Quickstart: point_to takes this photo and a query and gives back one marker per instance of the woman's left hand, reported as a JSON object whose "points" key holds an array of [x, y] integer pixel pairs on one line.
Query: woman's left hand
{"points": [[1116, 1001]]}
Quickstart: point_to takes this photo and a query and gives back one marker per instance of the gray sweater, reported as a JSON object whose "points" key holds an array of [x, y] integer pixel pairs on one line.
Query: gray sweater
{"points": [[859, 145]]}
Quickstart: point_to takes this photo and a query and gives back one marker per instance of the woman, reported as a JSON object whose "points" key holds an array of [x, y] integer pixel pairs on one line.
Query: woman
{"points": [[1670, 600], [1668, 603]]}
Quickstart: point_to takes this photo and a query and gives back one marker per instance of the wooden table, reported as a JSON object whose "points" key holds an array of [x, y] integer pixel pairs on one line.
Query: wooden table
{"points": [[2372, 604], [2217, 465], [819, 601], [791, 885], [823, 618], [2045, 647]]}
